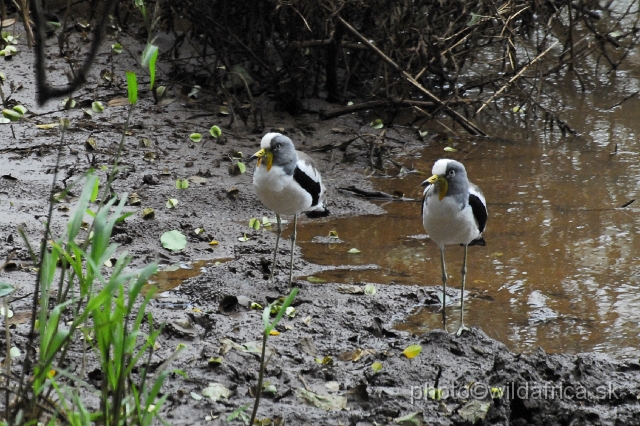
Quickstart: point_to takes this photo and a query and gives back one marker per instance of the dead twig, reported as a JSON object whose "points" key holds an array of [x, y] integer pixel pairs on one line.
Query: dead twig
{"points": [[515, 77], [466, 124]]}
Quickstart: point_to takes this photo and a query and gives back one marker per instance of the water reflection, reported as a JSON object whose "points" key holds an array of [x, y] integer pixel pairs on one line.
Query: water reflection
{"points": [[559, 270]]}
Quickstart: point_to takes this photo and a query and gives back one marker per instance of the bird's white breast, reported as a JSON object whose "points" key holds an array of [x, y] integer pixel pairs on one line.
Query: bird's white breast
{"points": [[279, 191], [446, 223]]}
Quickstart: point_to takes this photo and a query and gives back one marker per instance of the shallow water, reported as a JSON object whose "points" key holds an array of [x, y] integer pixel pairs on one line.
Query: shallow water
{"points": [[558, 270]]}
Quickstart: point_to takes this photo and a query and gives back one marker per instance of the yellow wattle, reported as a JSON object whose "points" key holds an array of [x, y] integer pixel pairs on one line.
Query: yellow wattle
{"points": [[269, 156], [443, 185]]}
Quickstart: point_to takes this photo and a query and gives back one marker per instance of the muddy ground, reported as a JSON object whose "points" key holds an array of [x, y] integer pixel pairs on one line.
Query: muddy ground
{"points": [[211, 312]]}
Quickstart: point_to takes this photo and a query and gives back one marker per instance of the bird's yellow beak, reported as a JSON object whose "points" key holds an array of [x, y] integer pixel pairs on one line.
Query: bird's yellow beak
{"points": [[441, 183], [268, 157]]}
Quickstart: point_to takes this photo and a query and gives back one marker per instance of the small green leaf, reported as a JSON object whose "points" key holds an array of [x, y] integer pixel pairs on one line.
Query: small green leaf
{"points": [[116, 48], [97, 106], [182, 183], [160, 91], [11, 114], [255, 305], [244, 238], [434, 394], [496, 393], [376, 366], [194, 92], [254, 223], [172, 203], [6, 289], [216, 392], [149, 57], [173, 240], [327, 360], [224, 110], [215, 131], [68, 103], [20, 109], [242, 167], [354, 251], [195, 137], [14, 352], [370, 289], [423, 134], [48, 126], [181, 373], [132, 87], [474, 410], [412, 419], [315, 280], [290, 312], [450, 149], [239, 412], [148, 213], [474, 19], [412, 351], [333, 234], [215, 361], [377, 124]]}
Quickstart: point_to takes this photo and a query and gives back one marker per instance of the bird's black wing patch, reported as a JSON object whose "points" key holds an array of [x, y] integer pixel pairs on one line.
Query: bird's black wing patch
{"points": [[308, 184], [479, 211]]}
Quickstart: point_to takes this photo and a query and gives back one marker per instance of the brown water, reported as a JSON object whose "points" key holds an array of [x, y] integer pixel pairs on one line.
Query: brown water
{"points": [[560, 269]]}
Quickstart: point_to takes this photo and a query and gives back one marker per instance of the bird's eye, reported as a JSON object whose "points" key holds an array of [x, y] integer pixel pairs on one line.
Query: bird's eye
{"points": [[451, 173], [277, 147]]}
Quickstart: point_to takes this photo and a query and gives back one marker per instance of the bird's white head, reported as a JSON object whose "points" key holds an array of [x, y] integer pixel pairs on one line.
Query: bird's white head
{"points": [[266, 140], [440, 167]]}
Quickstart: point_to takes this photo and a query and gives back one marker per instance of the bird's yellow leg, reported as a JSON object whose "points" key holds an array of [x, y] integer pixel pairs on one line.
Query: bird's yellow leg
{"points": [[293, 247], [275, 252], [464, 276]]}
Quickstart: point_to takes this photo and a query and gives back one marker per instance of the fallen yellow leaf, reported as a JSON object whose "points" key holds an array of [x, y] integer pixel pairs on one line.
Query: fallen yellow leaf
{"points": [[412, 351]]}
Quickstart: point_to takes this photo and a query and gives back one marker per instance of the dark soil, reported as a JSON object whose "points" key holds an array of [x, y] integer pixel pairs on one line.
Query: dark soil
{"points": [[355, 330]]}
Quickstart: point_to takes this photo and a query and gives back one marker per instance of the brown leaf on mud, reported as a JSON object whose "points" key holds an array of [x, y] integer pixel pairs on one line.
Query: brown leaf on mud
{"points": [[308, 346], [326, 402], [351, 289], [249, 347], [19, 318], [356, 355], [198, 180], [181, 329], [475, 410], [118, 102]]}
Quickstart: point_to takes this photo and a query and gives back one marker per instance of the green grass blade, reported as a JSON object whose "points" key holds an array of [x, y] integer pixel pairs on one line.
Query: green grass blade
{"points": [[285, 305], [132, 87]]}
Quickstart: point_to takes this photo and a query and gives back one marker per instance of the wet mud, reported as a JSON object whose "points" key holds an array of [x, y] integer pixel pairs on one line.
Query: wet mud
{"points": [[454, 380]]}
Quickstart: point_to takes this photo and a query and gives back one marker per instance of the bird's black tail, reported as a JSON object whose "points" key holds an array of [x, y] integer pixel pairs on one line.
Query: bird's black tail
{"points": [[478, 242], [314, 214]]}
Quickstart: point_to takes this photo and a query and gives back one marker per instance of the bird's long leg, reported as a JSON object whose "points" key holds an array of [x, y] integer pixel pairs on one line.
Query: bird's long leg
{"points": [[464, 275], [444, 288], [293, 247], [275, 252]]}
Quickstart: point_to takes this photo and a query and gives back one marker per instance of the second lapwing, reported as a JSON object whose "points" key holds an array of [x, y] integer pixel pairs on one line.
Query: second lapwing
{"points": [[454, 212]]}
